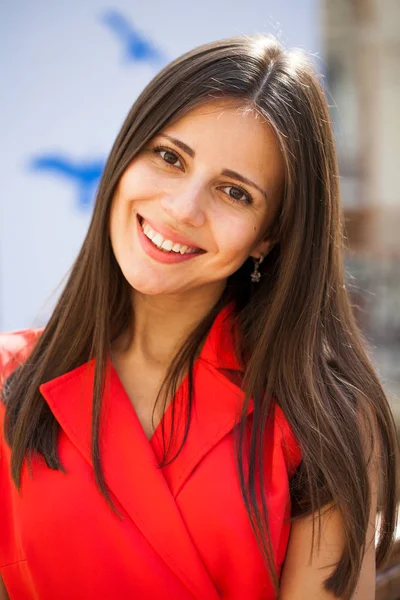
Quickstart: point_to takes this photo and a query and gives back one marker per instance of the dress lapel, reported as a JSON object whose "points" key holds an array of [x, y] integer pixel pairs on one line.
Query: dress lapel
{"points": [[130, 462], [217, 404]]}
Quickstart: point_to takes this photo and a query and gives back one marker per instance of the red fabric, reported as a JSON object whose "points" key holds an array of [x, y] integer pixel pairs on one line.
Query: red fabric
{"points": [[183, 531]]}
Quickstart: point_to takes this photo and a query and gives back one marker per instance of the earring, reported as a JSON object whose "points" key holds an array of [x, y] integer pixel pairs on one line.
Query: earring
{"points": [[256, 275]]}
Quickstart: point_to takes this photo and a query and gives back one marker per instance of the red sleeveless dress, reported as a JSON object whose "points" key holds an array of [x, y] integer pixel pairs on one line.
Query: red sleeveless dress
{"points": [[182, 531]]}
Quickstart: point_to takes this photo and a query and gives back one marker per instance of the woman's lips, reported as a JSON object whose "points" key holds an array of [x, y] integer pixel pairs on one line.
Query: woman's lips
{"points": [[161, 255], [169, 234]]}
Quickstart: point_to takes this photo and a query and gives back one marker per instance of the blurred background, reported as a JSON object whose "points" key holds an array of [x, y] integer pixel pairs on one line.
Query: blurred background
{"points": [[72, 69]]}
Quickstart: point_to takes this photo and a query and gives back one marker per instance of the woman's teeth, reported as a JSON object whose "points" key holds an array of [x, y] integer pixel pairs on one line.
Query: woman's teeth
{"points": [[164, 244]]}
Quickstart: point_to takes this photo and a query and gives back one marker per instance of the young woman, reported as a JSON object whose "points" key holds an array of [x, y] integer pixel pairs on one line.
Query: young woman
{"points": [[199, 418]]}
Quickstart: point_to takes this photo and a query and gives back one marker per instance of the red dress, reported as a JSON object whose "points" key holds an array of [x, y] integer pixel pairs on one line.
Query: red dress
{"points": [[183, 532]]}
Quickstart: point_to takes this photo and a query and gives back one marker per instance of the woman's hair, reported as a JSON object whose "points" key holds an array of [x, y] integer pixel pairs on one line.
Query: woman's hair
{"points": [[296, 327]]}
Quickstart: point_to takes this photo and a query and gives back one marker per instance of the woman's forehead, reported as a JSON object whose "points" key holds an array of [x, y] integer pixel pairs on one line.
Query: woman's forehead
{"points": [[230, 135]]}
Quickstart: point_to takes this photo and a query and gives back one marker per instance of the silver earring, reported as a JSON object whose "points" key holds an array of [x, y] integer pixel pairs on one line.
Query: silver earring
{"points": [[256, 275]]}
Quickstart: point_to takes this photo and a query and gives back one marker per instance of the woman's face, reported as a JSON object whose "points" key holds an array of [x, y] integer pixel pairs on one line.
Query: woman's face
{"points": [[206, 188]]}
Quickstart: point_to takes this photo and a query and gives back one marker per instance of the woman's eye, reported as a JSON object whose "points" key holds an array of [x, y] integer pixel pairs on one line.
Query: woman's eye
{"points": [[238, 194], [168, 156]]}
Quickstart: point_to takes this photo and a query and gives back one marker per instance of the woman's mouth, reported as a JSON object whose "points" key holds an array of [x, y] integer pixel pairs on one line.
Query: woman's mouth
{"points": [[163, 243], [161, 247]]}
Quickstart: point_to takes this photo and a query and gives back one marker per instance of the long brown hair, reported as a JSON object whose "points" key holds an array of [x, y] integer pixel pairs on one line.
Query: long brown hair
{"points": [[296, 327]]}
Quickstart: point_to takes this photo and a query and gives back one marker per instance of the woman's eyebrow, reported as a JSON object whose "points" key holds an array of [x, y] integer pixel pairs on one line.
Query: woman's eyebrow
{"points": [[243, 179], [227, 172], [181, 145]]}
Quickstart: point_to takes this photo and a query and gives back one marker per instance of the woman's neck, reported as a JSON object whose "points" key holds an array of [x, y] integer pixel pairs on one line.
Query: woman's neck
{"points": [[160, 326]]}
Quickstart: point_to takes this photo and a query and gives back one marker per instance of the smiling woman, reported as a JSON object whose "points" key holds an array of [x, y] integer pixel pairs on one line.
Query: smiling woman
{"points": [[199, 418], [185, 194]]}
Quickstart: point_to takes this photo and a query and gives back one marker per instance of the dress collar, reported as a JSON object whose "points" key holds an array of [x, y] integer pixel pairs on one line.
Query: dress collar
{"points": [[219, 347]]}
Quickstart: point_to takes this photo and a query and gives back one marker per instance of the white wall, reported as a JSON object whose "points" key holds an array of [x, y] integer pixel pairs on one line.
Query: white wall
{"points": [[68, 81]]}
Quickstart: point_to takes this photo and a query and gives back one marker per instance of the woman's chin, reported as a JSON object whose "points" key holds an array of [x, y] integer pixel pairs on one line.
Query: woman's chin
{"points": [[151, 285]]}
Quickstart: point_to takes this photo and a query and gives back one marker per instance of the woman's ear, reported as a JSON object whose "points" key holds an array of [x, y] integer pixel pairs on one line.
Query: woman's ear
{"points": [[263, 248]]}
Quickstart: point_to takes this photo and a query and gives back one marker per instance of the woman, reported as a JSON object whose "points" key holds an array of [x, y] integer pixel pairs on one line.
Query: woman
{"points": [[210, 280]]}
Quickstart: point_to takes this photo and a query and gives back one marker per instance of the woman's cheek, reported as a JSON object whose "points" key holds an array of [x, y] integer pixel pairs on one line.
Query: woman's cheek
{"points": [[138, 179], [237, 244]]}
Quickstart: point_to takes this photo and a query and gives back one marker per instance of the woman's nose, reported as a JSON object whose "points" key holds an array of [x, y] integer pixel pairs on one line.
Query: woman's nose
{"points": [[186, 205]]}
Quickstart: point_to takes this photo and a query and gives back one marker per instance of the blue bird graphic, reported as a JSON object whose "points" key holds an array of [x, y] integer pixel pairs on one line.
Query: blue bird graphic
{"points": [[85, 174], [137, 48]]}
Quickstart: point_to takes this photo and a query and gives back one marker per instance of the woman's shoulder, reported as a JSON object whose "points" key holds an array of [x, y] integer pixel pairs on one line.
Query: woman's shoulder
{"points": [[15, 347]]}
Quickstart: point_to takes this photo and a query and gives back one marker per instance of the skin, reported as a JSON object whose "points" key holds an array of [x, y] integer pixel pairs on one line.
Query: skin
{"points": [[192, 198]]}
